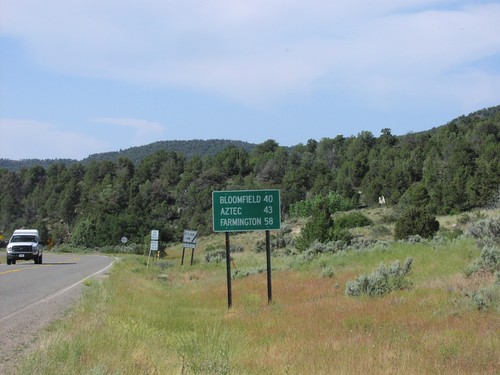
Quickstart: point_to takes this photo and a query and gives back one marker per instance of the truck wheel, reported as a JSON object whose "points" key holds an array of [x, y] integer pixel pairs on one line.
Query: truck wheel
{"points": [[8, 261], [13, 261], [40, 259]]}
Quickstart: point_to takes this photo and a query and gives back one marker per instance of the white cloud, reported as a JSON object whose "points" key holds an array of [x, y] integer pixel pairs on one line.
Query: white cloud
{"points": [[143, 131], [136, 124], [265, 49], [25, 139]]}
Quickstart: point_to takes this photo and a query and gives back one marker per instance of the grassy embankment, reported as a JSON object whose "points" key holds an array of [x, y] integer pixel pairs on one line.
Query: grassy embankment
{"points": [[168, 319]]}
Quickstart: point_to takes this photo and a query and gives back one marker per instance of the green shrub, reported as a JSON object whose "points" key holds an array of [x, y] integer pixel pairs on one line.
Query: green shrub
{"points": [[384, 280], [389, 218], [450, 234], [67, 248], [463, 219], [416, 195], [318, 228], [306, 207], [495, 201], [129, 248], [352, 220], [380, 231], [416, 221], [339, 234], [84, 234]]}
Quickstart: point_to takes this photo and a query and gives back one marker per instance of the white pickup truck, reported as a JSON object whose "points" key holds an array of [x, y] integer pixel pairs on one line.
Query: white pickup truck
{"points": [[25, 245]]}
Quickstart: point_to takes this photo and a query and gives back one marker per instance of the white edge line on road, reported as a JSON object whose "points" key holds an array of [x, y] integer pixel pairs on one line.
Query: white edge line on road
{"points": [[58, 293]]}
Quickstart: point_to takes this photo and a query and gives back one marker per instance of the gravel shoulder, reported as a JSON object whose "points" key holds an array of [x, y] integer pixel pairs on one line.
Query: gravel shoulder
{"points": [[23, 320], [20, 332]]}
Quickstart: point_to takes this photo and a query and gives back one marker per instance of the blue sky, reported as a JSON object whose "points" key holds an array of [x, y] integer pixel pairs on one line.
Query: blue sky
{"points": [[79, 77]]}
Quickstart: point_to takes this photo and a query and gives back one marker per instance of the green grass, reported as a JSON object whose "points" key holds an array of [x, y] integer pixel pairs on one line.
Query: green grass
{"points": [[175, 320]]}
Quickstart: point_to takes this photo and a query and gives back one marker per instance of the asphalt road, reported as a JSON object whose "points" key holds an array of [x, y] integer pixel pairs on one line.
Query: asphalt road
{"points": [[33, 295]]}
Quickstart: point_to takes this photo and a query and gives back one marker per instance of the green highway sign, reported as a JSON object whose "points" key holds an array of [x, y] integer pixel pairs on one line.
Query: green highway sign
{"points": [[246, 210]]}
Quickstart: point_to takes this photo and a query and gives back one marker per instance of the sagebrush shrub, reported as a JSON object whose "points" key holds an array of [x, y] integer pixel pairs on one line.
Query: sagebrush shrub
{"points": [[486, 231], [486, 298], [488, 261], [215, 256], [317, 248], [384, 280], [277, 241], [327, 272], [360, 243], [241, 273], [237, 248]]}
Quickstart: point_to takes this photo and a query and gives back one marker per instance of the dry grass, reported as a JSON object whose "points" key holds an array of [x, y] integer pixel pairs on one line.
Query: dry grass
{"points": [[315, 328], [136, 323]]}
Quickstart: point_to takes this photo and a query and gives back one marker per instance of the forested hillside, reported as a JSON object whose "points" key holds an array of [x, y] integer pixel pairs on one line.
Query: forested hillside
{"points": [[447, 170], [189, 149]]}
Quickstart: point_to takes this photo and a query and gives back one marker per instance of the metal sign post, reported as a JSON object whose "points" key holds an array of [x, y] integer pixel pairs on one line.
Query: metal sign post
{"points": [[268, 261], [152, 247], [228, 268], [124, 241]]}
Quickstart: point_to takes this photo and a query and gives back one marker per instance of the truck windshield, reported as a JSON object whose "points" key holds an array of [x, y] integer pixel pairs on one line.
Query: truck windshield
{"points": [[23, 239]]}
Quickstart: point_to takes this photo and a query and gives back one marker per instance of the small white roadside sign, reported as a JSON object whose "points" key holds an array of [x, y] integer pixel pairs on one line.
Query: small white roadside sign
{"points": [[189, 239], [154, 246], [155, 235]]}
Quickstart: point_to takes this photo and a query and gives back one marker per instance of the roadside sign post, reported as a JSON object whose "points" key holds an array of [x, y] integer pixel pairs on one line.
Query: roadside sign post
{"points": [[124, 241], [228, 272], [246, 210], [268, 262], [189, 240], [155, 236]]}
